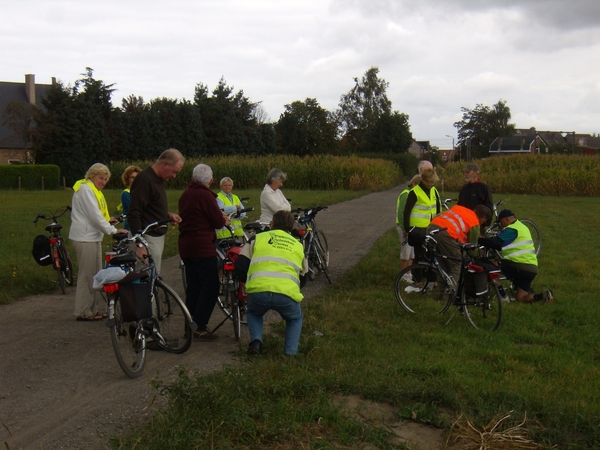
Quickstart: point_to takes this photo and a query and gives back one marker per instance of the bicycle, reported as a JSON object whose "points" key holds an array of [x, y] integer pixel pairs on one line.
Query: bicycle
{"points": [[426, 288], [316, 249], [232, 298], [58, 254], [142, 305]]}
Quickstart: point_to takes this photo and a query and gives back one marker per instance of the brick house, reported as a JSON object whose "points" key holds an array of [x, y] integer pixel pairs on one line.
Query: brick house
{"points": [[535, 142], [14, 147]]}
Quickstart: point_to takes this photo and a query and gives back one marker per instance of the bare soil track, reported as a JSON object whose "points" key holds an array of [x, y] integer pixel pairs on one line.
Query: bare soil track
{"points": [[60, 384]]}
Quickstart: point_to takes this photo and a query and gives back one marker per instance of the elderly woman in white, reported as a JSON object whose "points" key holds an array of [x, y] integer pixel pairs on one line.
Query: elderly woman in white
{"points": [[90, 221], [271, 198]]}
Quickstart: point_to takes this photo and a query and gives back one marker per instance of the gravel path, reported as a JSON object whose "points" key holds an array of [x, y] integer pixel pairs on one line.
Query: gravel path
{"points": [[60, 384]]}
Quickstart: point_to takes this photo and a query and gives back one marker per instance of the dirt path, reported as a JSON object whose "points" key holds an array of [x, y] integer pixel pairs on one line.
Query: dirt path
{"points": [[60, 384]]}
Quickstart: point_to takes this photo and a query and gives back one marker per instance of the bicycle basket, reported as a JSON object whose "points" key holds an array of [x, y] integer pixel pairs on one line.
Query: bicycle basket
{"points": [[41, 250], [136, 301]]}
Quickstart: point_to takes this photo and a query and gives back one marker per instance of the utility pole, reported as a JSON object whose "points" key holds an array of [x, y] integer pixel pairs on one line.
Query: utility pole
{"points": [[453, 147]]}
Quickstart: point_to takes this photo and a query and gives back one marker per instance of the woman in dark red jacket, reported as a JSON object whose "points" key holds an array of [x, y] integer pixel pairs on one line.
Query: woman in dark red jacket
{"points": [[200, 216]]}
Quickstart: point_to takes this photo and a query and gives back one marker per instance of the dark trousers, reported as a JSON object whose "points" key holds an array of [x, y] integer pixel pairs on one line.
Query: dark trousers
{"points": [[202, 288]]}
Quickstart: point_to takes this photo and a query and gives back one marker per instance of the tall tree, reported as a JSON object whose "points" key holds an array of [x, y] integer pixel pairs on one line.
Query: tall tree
{"points": [[389, 134], [227, 119], [481, 125], [360, 107], [74, 130], [305, 128]]}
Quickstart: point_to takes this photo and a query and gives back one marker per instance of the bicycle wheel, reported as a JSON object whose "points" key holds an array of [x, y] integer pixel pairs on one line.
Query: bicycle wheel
{"points": [[174, 330], [483, 312], [66, 264], [129, 342], [322, 253], [536, 234], [234, 304], [420, 289], [61, 280]]}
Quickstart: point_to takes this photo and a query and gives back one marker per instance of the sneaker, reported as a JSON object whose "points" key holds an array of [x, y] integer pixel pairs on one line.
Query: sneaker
{"points": [[205, 335], [503, 296], [409, 289], [407, 278], [255, 347], [548, 296]]}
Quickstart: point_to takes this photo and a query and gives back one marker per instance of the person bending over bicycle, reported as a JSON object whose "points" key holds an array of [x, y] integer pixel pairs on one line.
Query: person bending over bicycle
{"points": [[274, 268], [458, 225], [519, 263]]}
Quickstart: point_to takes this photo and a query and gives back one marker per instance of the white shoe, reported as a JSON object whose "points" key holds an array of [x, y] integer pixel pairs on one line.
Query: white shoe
{"points": [[407, 278], [410, 289], [431, 285]]}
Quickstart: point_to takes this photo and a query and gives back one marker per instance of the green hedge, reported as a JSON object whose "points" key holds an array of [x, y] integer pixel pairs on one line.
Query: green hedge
{"points": [[32, 176]]}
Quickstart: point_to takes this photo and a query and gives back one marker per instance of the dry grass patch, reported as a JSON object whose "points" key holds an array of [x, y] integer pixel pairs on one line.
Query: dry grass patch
{"points": [[501, 433]]}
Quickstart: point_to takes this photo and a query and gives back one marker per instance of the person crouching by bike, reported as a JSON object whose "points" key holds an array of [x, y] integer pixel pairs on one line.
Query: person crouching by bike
{"points": [[458, 225], [274, 267], [519, 262], [200, 216], [90, 221]]}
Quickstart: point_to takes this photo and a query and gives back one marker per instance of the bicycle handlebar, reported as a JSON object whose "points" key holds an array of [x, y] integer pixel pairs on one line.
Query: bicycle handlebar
{"points": [[240, 212], [52, 216]]}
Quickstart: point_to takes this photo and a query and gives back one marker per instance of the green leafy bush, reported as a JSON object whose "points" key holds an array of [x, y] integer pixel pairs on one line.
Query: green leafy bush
{"points": [[29, 176]]}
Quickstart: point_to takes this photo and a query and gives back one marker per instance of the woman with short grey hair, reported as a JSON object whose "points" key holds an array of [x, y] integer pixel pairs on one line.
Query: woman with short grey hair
{"points": [[271, 198]]}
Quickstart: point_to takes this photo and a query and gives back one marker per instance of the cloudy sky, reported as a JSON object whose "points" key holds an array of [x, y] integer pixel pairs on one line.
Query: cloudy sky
{"points": [[541, 56]]}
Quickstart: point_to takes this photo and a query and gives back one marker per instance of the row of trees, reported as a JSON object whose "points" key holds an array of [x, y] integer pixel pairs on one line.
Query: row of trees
{"points": [[79, 125]]}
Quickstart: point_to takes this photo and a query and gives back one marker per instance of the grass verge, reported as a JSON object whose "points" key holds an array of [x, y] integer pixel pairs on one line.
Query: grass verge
{"points": [[543, 363]]}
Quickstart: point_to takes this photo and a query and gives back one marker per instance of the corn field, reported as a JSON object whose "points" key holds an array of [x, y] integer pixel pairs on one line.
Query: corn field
{"points": [[559, 175], [322, 172]]}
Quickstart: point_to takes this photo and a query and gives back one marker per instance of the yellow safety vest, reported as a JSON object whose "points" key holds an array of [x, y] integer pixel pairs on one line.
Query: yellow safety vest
{"points": [[276, 264], [99, 196], [236, 224], [521, 250], [120, 205], [400, 206], [425, 208]]}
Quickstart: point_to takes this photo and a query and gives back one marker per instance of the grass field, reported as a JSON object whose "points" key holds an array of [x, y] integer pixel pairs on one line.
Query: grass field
{"points": [[543, 363]]}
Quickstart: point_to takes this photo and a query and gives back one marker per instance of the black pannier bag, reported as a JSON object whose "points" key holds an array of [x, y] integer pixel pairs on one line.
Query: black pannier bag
{"points": [[136, 302], [41, 250], [476, 281]]}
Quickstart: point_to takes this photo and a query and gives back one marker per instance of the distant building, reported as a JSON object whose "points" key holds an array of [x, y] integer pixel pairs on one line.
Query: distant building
{"points": [[419, 148], [14, 147], [535, 142]]}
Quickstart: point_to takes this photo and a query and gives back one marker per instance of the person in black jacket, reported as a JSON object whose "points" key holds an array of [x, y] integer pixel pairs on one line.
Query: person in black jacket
{"points": [[475, 192]]}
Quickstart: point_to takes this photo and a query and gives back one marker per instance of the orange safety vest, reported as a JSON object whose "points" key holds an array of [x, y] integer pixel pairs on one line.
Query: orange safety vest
{"points": [[458, 220]]}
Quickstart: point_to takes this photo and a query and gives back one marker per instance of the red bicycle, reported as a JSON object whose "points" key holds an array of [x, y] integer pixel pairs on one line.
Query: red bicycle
{"points": [[57, 253]]}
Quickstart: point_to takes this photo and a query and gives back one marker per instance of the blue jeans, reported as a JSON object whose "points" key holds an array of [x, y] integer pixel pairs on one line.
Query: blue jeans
{"points": [[289, 310]]}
